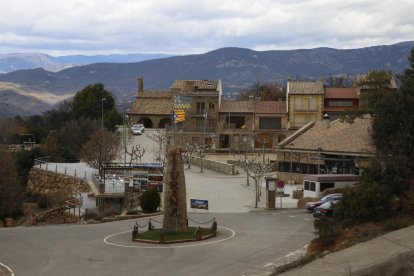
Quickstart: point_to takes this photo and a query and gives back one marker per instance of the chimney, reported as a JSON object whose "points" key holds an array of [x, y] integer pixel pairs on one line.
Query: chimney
{"points": [[325, 121], [141, 84]]}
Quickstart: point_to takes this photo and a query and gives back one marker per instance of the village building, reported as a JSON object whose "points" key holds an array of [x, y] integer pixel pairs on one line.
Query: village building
{"points": [[326, 148], [305, 102], [337, 99]]}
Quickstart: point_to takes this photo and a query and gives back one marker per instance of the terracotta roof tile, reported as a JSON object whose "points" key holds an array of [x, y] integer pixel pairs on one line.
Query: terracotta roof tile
{"points": [[152, 103], [305, 87], [194, 85], [339, 137], [341, 93]]}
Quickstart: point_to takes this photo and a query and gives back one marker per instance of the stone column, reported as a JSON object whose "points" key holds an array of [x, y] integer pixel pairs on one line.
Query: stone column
{"points": [[175, 205]]}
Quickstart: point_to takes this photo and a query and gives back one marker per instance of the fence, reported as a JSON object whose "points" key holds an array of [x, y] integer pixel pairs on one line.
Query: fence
{"points": [[63, 168]]}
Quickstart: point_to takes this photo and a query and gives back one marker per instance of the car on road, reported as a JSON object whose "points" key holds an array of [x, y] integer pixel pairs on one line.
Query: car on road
{"points": [[325, 210], [328, 198], [137, 129]]}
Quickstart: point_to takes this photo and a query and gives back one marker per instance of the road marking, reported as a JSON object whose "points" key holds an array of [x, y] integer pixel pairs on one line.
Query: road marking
{"points": [[269, 264], [8, 268], [307, 219], [166, 246], [292, 216]]}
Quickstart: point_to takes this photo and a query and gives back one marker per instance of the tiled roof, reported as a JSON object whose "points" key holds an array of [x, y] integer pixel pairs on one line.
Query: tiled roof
{"points": [[154, 94], [262, 107], [305, 87], [270, 107], [341, 93], [152, 103], [237, 106], [352, 138], [194, 85]]}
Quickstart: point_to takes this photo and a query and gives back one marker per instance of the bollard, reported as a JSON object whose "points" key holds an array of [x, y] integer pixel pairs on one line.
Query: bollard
{"points": [[162, 237], [214, 228]]}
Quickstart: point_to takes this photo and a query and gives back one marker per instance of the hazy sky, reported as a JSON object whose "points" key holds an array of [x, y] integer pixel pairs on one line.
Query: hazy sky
{"points": [[190, 26]]}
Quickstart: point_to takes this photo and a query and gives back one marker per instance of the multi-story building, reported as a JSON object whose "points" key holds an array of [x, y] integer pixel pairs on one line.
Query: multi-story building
{"points": [[305, 102], [336, 100], [246, 125], [202, 100]]}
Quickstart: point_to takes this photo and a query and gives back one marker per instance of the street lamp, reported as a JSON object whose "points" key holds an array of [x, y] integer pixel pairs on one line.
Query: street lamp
{"points": [[319, 149], [102, 116], [125, 134], [291, 159]]}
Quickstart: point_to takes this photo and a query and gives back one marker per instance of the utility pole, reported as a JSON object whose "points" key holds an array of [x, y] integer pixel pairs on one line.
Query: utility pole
{"points": [[102, 112]]}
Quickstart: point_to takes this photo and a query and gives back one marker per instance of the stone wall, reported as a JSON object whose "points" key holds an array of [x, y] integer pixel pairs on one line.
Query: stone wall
{"points": [[48, 183], [216, 166]]}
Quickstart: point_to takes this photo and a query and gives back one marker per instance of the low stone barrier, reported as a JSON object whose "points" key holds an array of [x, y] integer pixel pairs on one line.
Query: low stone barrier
{"points": [[216, 166]]}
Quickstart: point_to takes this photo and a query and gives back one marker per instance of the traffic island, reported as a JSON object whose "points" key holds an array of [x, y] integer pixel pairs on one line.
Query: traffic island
{"points": [[159, 236]]}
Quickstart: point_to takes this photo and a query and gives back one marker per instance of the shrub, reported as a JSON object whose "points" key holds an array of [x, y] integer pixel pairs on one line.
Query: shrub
{"points": [[397, 223], [110, 209], [327, 230], [365, 202], [150, 200]]}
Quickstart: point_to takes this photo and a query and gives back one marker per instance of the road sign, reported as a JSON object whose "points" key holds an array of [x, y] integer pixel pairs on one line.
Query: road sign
{"points": [[199, 204]]}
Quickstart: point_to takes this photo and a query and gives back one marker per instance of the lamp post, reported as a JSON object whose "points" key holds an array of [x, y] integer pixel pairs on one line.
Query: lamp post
{"points": [[319, 149], [291, 160], [125, 140], [102, 113]]}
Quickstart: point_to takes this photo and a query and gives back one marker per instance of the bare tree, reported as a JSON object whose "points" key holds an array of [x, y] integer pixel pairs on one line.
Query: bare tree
{"points": [[255, 169], [190, 151], [102, 147], [161, 139], [136, 153], [263, 140]]}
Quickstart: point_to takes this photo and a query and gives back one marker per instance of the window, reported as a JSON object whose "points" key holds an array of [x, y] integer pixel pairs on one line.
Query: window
{"points": [[298, 103], [269, 123], [211, 105], [312, 186], [195, 140], [340, 103], [200, 108], [326, 185], [312, 104], [306, 185], [236, 121]]}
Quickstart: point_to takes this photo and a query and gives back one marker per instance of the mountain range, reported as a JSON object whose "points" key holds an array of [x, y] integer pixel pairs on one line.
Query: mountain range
{"points": [[31, 91]]}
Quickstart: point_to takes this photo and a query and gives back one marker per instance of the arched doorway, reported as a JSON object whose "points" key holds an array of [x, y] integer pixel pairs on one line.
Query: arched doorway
{"points": [[146, 122], [165, 123]]}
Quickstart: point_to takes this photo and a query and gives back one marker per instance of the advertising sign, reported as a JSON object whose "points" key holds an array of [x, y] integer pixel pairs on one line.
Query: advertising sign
{"points": [[199, 204]]}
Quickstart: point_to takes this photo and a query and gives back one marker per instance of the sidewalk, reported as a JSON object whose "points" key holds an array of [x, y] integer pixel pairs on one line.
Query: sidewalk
{"points": [[389, 254]]}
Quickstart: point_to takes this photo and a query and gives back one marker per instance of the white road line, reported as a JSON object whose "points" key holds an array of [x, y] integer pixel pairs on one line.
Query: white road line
{"points": [[166, 246], [8, 268]]}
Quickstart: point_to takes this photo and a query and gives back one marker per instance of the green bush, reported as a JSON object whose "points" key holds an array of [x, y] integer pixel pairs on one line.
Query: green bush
{"points": [[150, 201], [367, 201], [327, 230], [397, 223]]}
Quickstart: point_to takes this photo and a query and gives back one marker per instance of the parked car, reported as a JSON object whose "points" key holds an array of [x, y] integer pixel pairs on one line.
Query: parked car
{"points": [[137, 129], [325, 210], [311, 205]]}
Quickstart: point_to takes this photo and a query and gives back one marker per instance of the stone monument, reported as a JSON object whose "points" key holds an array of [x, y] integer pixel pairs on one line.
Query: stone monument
{"points": [[175, 205]]}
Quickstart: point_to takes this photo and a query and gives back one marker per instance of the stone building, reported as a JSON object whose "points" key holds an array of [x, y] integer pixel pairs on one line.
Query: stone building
{"points": [[326, 147], [201, 112], [305, 102], [153, 108], [246, 125]]}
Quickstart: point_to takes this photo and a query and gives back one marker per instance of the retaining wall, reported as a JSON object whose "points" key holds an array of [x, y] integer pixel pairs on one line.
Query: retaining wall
{"points": [[48, 183], [216, 166]]}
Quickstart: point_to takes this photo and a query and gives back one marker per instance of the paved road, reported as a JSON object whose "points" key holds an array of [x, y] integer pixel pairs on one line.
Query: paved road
{"points": [[251, 241], [260, 238]]}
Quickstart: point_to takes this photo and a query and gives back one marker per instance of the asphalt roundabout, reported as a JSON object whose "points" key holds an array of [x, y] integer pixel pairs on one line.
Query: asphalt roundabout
{"points": [[124, 239]]}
